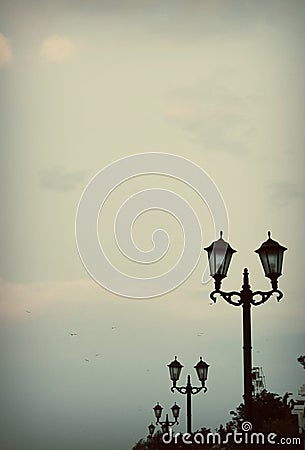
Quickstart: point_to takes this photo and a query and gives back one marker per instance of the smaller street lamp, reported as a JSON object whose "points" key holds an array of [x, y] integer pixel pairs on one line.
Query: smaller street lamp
{"points": [[175, 368], [151, 429], [175, 411], [166, 423], [158, 411], [152, 442]]}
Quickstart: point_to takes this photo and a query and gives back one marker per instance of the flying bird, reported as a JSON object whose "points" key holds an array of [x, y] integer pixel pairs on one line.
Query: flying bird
{"points": [[86, 359], [29, 312], [73, 334], [113, 328]]}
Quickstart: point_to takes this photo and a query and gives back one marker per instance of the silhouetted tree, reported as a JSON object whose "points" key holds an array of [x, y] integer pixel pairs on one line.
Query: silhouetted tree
{"points": [[270, 414]]}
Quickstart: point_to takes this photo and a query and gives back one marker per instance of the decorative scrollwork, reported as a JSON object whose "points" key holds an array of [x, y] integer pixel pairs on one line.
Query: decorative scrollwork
{"points": [[227, 296], [189, 389], [265, 296], [196, 390], [182, 390], [169, 423]]}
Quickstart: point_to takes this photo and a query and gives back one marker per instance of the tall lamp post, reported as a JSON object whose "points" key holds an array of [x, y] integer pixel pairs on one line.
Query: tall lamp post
{"points": [[175, 368], [271, 255], [166, 423]]}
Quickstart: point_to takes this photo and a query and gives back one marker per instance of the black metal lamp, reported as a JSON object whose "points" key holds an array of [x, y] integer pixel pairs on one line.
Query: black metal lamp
{"points": [[151, 429], [176, 411], [202, 370], [271, 255], [174, 370], [158, 411], [220, 254]]}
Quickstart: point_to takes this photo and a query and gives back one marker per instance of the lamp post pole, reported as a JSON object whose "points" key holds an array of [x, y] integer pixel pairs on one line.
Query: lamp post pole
{"points": [[246, 298], [247, 347], [188, 390], [271, 255]]}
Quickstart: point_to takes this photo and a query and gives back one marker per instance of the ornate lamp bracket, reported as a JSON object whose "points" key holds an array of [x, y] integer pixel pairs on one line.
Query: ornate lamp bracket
{"points": [[187, 389], [227, 296], [264, 296]]}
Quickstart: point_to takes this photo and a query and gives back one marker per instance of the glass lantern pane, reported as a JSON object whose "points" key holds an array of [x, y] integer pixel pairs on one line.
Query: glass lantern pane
{"points": [[263, 257], [280, 261], [205, 372], [174, 373], [272, 262], [212, 262], [200, 372], [227, 263], [219, 257]]}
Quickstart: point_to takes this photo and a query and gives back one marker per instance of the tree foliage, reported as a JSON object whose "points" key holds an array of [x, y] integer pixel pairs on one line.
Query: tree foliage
{"points": [[271, 413]]}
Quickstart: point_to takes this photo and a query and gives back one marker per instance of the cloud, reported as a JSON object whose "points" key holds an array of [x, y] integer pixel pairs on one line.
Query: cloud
{"points": [[212, 115], [59, 179], [6, 53], [285, 193], [57, 48]]}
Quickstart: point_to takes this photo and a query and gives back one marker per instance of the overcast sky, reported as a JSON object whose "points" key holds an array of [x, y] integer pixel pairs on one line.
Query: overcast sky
{"points": [[83, 84]]}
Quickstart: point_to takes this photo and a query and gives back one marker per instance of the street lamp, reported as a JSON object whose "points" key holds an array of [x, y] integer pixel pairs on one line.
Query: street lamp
{"points": [[271, 255], [166, 423], [220, 254], [175, 368], [151, 429]]}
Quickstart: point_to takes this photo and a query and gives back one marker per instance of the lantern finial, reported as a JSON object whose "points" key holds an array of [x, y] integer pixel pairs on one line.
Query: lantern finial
{"points": [[269, 234], [221, 233]]}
